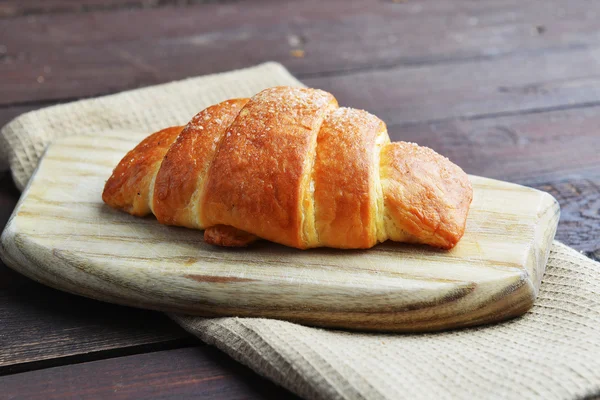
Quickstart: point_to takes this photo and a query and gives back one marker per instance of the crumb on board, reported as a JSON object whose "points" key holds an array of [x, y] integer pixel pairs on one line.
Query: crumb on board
{"points": [[298, 53]]}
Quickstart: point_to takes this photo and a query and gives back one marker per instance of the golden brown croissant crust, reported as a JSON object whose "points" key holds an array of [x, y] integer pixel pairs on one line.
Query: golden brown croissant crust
{"points": [[291, 166]]}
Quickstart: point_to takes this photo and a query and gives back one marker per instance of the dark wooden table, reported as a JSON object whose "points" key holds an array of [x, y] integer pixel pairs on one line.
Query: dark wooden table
{"points": [[506, 89]]}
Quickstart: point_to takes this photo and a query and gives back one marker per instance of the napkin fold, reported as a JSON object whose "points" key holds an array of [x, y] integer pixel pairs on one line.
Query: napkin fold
{"points": [[552, 352]]}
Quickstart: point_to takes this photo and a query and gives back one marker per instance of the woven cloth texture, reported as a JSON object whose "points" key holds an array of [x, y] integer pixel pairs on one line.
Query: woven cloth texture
{"points": [[552, 352]]}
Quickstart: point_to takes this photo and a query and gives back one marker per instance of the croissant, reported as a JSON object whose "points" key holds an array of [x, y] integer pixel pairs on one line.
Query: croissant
{"points": [[291, 166]]}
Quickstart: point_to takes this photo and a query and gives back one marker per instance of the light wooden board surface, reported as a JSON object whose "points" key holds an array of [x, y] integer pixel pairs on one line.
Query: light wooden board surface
{"points": [[62, 235]]}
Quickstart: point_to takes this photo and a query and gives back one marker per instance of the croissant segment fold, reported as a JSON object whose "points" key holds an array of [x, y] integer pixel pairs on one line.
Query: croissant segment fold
{"points": [[181, 179], [291, 166]]}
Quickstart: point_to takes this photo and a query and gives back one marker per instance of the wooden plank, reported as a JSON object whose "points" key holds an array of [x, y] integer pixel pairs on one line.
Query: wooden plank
{"points": [[473, 89], [514, 84], [521, 148], [18, 7], [40, 324], [311, 38], [197, 372], [579, 197], [14, 8]]}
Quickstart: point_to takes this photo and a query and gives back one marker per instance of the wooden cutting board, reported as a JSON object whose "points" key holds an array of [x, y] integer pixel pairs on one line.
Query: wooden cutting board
{"points": [[61, 234]]}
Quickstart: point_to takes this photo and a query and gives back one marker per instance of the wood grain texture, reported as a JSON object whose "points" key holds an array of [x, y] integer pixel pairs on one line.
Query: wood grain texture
{"points": [[309, 37], [15, 8], [40, 324], [198, 372], [579, 197], [525, 148], [470, 89], [86, 248]]}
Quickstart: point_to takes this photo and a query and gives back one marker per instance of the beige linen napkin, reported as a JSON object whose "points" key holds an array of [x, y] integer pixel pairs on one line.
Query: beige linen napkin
{"points": [[553, 352]]}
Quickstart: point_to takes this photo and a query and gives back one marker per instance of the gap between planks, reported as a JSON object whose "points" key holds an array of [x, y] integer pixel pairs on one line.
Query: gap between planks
{"points": [[116, 352], [19, 8]]}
